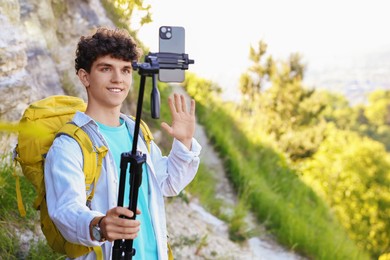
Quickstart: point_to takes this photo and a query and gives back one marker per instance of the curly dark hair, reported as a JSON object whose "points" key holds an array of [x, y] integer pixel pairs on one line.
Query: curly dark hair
{"points": [[114, 42]]}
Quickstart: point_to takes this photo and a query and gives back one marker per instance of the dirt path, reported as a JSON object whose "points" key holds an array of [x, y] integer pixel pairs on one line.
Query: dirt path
{"points": [[196, 234]]}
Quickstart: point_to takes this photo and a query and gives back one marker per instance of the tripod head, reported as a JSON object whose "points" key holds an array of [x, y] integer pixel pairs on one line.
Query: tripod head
{"points": [[151, 67], [162, 60]]}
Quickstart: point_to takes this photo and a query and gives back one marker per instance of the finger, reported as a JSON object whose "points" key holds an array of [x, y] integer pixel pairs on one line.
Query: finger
{"points": [[171, 105], [119, 221], [120, 232], [120, 211], [183, 103], [167, 128], [119, 225], [122, 225], [192, 108], [177, 103]]}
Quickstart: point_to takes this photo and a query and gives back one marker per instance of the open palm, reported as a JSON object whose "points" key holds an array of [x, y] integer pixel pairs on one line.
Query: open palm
{"points": [[183, 121]]}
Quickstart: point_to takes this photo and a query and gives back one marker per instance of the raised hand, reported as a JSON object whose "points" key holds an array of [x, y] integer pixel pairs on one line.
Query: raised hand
{"points": [[183, 121]]}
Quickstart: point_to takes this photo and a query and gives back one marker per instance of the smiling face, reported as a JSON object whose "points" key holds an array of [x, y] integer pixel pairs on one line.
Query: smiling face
{"points": [[108, 83]]}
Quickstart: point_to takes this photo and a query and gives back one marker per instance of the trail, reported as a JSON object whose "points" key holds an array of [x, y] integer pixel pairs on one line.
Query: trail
{"points": [[197, 234]]}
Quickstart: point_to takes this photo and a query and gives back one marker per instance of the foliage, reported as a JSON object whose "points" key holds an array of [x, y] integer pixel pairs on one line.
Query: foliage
{"points": [[252, 82], [377, 117], [291, 114], [338, 111], [270, 187], [202, 90], [272, 190], [129, 15], [377, 110], [122, 12], [273, 91], [262, 74], [14, 229], [204, 188], [371, 120], [322, 133], [352, 174]]}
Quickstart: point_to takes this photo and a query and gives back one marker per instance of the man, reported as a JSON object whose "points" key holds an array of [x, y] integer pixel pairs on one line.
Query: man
{"points": [[103, 65]]}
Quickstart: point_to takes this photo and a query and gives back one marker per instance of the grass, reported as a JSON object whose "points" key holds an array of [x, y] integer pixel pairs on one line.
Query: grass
{"points": [[13, 227], [203, 187], [272, 190]]}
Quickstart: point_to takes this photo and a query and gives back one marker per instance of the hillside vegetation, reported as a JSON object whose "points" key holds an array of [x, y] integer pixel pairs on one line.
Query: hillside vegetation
{"points": [[312, 168]]}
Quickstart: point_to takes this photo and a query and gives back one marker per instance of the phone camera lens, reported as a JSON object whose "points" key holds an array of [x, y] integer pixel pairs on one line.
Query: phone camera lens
{"points": [[163, 29], [169, 35]]}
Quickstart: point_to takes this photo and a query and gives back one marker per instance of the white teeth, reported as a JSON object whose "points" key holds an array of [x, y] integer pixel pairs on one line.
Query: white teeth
{"points": [[115, 89]]}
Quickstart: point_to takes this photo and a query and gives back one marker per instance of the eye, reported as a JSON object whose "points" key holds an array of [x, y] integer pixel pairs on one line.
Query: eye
{"points": [[105, 69], [127, 71]]}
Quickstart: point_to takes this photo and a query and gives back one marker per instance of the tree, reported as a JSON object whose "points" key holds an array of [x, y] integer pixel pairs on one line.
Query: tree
{"points": [[273, 94], [252, 82], [122, 13], [201, 89], [351, 174], [378, 109], [370, 120], [293, 116]]}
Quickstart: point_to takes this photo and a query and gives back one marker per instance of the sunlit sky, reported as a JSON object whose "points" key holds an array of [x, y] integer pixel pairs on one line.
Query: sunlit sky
{"points": [[219, 33]]}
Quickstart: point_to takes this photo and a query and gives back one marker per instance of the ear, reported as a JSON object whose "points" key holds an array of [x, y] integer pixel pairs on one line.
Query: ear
{"points": [[84, 77]]}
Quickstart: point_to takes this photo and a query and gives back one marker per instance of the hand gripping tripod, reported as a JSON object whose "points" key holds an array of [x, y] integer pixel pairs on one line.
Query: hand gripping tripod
{"points": [[123, 249]]}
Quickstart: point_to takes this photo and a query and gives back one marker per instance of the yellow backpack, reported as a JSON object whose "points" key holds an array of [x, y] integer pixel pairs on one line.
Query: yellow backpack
{"points": [[48, 118]]}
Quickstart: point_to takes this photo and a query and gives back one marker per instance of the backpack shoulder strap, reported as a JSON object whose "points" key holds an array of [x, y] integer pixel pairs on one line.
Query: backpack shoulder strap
{"points": [[147, 134], [92, 156], [21, 208]]}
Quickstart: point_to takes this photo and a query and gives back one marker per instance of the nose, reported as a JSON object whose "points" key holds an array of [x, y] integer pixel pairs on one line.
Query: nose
{"points": [[117, 77]]}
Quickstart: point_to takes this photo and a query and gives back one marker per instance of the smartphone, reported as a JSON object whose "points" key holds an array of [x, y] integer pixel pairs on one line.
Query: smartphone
{"points": [[171, 39]]}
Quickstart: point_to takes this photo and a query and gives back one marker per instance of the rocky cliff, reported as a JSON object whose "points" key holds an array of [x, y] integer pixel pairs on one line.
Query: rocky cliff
{"points": [[37, 45]]}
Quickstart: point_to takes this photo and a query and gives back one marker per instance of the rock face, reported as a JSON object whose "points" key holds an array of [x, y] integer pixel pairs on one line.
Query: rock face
{"points": [[37, 44]]}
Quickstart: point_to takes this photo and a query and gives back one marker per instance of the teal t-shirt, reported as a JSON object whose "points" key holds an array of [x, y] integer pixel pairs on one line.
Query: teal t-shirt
{"points": [[119, 140]]}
